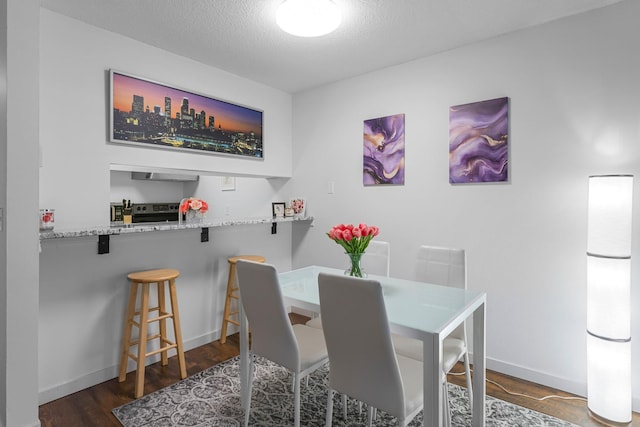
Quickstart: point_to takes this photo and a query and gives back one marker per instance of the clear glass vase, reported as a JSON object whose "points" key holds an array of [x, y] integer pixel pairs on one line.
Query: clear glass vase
{"points": [[194, 217], [355, 269], [191, 217]]}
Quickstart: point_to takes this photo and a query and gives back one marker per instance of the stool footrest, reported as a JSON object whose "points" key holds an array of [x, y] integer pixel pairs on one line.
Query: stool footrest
{"points": [[235, 322], [161, 349], [136, 341], [162, 316], [137, 312], [169, 345]]}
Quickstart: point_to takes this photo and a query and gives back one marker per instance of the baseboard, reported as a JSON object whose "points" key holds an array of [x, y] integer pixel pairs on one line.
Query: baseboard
{"points": [[111, 372], [560, 383], [538, 377]]}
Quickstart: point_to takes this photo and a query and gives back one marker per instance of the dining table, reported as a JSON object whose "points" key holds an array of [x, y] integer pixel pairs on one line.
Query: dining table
{"points": [[418, 310]]}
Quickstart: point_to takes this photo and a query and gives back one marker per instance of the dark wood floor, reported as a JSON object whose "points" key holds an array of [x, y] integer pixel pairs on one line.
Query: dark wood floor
{"points": [[92, 407]]}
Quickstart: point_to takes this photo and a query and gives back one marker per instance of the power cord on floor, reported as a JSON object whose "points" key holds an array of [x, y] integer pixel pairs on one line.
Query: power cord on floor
{"points": [[540, 399]]}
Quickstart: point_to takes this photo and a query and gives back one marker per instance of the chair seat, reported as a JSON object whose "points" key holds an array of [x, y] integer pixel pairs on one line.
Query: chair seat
{"points": [[316, 322], [311, 346], [452, 349]]}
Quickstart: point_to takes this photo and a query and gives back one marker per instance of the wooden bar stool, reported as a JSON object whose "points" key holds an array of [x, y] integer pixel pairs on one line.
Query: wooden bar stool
{"points": [[142, 279], [232, 293]]}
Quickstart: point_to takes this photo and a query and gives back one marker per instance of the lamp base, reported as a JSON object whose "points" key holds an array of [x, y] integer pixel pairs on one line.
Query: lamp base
{"points": [[607, 422]]}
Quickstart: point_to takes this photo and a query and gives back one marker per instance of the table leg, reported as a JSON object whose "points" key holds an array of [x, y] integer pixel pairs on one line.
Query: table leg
{"points": [[432, 382], [479, 366]]}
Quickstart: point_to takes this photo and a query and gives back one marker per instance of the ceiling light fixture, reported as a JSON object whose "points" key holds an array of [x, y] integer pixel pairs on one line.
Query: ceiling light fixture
{"points": [[308, 18]]}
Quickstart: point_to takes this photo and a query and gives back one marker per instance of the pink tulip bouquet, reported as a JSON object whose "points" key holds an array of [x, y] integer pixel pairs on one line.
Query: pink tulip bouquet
{"points": [[354, 239], [193, 204], [192, 211]]}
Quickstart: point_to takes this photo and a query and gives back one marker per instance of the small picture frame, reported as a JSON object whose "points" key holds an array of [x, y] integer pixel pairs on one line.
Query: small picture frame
{"points": [[277, 208], [288, 212]]}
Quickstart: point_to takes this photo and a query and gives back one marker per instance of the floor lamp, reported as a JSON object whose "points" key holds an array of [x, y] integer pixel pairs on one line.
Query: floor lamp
{"points": [[608, 297]]}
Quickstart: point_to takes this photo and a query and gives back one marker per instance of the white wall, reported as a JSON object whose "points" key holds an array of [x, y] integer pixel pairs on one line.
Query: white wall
{"points": [[83, 294], [574, 111], [75, 60], [19, 234]]}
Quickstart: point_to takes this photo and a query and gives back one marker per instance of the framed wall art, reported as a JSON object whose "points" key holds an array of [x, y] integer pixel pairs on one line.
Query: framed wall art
{"points": [[478, 142], [152, 114], [383, 150]]}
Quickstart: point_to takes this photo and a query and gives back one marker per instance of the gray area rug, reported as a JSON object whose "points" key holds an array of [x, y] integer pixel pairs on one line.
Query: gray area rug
{"points": [[212, 398]]}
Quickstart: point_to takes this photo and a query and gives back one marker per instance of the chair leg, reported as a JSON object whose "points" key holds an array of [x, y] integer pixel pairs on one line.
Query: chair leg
{"points": [[375, 410], [344, 406], [296, 402], [251, 367], [370, 415], [329, 416], [469, 384]]}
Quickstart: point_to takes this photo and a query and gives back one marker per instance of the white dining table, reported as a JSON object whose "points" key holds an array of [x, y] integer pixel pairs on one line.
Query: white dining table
{"points": [[415, 309]]}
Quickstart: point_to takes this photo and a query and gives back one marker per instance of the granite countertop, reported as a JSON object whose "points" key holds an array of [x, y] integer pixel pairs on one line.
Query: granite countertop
{"points": [[164, 226]]}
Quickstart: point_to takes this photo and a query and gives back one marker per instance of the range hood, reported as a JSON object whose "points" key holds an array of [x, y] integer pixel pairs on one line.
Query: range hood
{"points": [[157, 176]]}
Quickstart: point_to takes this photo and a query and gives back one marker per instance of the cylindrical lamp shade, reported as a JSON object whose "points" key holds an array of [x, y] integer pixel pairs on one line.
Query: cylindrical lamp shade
{"points": [[609, 221], [608, 297], [609, 379]]}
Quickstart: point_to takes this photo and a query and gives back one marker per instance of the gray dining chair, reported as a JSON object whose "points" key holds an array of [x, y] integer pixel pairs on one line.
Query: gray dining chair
{"points": [[362, 360], [298, 348], [376, 260], [446, 267]]}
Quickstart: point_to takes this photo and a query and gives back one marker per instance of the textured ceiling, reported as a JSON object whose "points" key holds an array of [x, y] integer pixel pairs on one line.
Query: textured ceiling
{"points": [[241, 37]]}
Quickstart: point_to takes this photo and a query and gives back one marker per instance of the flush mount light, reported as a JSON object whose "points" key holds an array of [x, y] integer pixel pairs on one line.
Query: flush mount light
{"points": [[308, 18]]}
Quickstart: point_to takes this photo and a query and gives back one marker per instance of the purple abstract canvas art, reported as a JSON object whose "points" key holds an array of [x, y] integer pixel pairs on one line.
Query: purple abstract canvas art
{"points": [[383, 150], [478, 141]]}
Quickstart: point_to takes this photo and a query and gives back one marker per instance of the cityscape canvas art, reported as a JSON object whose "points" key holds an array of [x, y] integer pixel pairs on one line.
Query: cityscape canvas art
{"points": [[383, 156], [154, 114], [478, 141]]}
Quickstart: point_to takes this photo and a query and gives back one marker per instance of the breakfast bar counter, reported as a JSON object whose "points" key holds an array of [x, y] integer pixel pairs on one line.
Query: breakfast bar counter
{"points": [[107, 230]]}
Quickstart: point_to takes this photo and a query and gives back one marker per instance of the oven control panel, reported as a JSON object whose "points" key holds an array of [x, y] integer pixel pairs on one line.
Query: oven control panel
{"points": [[148, 208], [147, 212]]}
